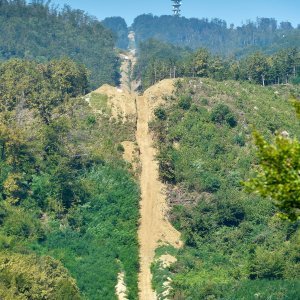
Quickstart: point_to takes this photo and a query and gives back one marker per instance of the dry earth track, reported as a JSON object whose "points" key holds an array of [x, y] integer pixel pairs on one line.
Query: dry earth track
{"points": [[154, 229]]}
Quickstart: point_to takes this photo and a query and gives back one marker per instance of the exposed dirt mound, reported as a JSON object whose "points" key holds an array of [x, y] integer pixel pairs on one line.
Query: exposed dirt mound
{"points": [[121, 102], [157, 94], [131, 154], [121, 289]]}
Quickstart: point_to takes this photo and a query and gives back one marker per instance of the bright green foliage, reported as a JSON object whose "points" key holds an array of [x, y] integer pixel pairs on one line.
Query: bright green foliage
{"points": [[42, 87], [200, 62], [235, 245], [36, 278], [256, 68], [158, 60], [279, 177], [99, 237]]}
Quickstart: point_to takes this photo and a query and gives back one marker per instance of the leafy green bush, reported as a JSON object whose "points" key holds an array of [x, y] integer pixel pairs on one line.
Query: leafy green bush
{"points": [[296, 80], [221, 114], [100, 235], [240, 140], [211, 184], [185, 102], [160, 113], [65, 192], [267, 264], [32, 277]]}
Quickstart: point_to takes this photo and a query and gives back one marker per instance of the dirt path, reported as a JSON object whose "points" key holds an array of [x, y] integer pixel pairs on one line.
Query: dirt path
{"points": [[154, 227]]}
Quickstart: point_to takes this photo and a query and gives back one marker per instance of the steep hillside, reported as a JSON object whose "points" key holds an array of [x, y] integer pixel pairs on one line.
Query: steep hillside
{"points": [[234, 245], [38, 31], [68, 202]]}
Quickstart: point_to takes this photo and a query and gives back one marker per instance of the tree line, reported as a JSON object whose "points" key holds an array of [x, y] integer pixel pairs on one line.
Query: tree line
{"points": [[40, 31], [265, 34], [158, 60]]}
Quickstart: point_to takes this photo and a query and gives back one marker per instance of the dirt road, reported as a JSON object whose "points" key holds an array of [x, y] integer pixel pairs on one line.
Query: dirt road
{"points": [[154, 227]]}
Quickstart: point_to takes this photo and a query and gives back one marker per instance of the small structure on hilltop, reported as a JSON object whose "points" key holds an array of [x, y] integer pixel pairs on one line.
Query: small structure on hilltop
{"points": [[176, 7]]}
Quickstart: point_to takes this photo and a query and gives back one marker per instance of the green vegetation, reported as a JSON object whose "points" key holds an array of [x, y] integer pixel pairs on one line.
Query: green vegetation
{"points": [[279, 175], [41, 32], [68, 205], [158, 60], [32, 277], [99, 102], [235, 245]]}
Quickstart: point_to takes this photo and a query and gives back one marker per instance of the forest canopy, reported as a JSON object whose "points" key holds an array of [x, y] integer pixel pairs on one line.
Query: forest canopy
{"points": [[40, 31], [265, 34]]}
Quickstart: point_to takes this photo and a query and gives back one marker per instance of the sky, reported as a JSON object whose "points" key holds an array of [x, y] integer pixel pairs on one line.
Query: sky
{"points": [[232, 11]]}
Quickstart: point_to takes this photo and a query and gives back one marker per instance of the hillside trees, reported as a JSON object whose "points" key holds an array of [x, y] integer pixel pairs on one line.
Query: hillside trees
{"points": [[278, 175], [31, 277], [62, 187], [37, 31], [235, 245], [158, 60], [256, 68], [264, 34], [27, 84]]}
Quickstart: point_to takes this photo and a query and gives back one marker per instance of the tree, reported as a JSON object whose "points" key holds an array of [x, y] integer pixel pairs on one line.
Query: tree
{"points": [[119, 27], [26, 84], [61, 79], [36, 30], [278, 176], [256, 68], [200, 62], [17, 80]]}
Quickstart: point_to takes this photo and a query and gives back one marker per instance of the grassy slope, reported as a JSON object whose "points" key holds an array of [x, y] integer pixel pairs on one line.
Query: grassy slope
{"points": [[234, 245]]}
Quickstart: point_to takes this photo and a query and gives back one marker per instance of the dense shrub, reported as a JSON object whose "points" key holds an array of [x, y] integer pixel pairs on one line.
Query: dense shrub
{"points": [[32, 277], [160, 113], [65, 191], [221, 113], [267, 264], [296, 80], [211, 184], [185, 102]]}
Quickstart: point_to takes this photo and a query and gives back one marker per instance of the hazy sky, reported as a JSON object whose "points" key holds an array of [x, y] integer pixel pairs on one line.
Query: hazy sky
{"points": [[233, 11]]}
